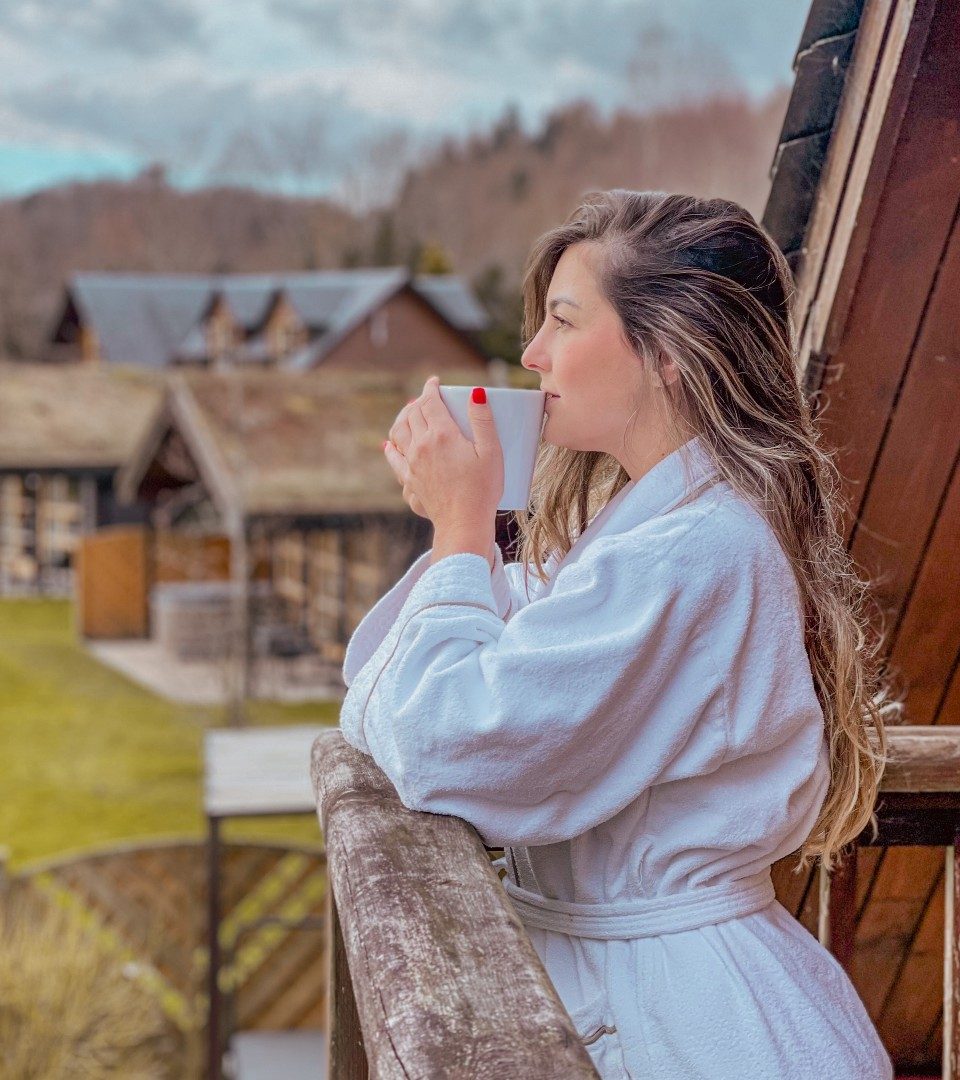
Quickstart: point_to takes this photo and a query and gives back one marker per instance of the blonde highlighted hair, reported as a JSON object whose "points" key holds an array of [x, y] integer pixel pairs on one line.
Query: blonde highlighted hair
{"points": [[699, 282]]}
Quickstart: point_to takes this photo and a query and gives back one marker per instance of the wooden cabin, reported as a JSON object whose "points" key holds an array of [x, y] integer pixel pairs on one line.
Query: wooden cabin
{"points": [[864, 198], [288, 466], [394, 321], [285, 330], [66, 431], [363, 318]]}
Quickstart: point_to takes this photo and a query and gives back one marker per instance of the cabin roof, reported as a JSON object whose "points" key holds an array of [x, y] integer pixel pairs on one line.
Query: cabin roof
{"points": [[820, 70], [280, 442], [446, 294], [139, 318], [71, 416], [147, 319]]}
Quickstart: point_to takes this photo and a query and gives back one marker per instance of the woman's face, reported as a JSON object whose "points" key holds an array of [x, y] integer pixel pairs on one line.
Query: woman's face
{"points": [[582, 356]]}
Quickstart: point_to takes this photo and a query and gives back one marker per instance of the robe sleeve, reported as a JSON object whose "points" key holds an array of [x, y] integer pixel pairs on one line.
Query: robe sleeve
{"points": [[506, 583], [537, 729]]}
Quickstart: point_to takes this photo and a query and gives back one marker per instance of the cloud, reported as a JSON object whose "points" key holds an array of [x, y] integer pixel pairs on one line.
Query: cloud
{"points": [[125, 26], [499, 36], [611, 51], [291, 134], [311, 91]]}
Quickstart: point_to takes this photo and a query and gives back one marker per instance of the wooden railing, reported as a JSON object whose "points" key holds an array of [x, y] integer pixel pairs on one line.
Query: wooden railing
{"points": [[919, 804], [432, 973]]}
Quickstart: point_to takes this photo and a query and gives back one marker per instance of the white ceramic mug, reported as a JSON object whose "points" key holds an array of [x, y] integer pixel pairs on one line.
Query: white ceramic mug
{"points": [[518, 417]]}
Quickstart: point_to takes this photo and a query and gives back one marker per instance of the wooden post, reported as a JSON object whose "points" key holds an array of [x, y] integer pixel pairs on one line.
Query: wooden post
{"points": [[214, 1048], [951, 962], [836, 919], [346, 1057]]}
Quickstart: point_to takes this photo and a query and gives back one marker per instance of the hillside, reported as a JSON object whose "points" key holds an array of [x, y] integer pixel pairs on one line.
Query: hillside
{"points": [[479, 202], [147, 225], [485, 199]]}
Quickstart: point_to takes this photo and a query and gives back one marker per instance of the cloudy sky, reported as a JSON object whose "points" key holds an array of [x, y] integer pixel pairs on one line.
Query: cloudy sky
{"points": [[333, 96]]}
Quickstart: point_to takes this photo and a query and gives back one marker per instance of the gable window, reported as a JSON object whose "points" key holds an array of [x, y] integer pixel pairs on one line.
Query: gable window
{"points": [[379, 332]]}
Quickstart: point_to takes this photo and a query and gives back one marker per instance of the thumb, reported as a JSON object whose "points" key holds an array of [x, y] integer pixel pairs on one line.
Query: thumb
{"points": [[481, 421]]}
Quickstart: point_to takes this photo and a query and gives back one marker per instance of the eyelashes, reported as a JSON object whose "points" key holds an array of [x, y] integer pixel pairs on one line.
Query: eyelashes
{"points": [[524, 343]]}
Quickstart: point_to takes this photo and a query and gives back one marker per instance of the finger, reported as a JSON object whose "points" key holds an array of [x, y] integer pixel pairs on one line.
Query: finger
{"points": [[399, 431], [416, 421], [432, 405], [397, 462]]}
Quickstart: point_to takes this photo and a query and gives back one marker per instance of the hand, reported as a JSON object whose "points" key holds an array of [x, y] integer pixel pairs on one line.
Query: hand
{"points": [[455, 483]]}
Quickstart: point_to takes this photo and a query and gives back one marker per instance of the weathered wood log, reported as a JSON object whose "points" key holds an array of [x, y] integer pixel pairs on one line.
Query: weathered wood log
{"points": [[921, 759], [346, 1056], [445, 979]]}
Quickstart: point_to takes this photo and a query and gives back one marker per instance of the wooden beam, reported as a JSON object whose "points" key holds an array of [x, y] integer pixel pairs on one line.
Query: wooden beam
{"points": [[922, 759], [852, 147], [445, 977], [879, 307], [838, 908]]}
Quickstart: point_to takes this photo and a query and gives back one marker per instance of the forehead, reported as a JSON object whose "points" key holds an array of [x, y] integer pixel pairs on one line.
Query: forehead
{"points": [[574, 274]]}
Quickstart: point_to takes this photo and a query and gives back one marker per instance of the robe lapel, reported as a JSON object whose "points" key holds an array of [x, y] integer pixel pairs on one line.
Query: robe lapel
{"points": [[661, 489]]}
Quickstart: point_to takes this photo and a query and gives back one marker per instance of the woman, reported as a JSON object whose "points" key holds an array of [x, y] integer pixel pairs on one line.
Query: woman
{"points": [[671, 689]]}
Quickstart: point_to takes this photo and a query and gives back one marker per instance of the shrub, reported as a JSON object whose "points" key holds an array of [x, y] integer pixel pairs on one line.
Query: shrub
{"points": [[67, 1008]]}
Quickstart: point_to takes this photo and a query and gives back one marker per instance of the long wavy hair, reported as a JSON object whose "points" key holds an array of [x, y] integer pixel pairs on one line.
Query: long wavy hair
{"points": [[699, 282]]}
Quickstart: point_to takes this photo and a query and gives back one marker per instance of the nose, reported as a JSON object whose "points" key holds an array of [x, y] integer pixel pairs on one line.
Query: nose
{"points": [[534, 356]]}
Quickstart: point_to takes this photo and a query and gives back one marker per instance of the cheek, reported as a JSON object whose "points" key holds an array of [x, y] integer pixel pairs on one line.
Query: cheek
{"points": [[575, 369]]}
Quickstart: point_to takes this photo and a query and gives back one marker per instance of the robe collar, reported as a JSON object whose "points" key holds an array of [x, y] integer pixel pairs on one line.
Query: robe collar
{"points": [[667, 484], [659, 490]]}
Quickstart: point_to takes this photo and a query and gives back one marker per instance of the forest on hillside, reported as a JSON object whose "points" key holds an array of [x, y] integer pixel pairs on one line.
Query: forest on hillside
{"points": [[473, 206]]}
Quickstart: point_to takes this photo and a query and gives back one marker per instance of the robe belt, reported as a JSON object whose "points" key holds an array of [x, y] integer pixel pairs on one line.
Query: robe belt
{"points": [[646, 916]]}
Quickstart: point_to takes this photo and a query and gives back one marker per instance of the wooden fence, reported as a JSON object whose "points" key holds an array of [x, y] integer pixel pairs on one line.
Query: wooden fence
{"points": [[111, 582], [431, 906], [148, 904], [117, 567]]}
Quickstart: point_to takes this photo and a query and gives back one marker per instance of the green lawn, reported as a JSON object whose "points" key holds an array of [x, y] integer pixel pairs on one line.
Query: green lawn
{"points": [[88, 757]]}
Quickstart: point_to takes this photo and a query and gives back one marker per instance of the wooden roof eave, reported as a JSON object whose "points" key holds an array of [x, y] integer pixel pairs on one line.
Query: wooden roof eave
{"points": [[69, 313], [213, 468], [130, 475], [343, 332], [276, 295], [180, 411], [886, 54]]}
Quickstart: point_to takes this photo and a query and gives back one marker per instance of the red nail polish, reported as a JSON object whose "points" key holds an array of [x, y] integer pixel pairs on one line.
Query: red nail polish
{"points": [[479, 395]]}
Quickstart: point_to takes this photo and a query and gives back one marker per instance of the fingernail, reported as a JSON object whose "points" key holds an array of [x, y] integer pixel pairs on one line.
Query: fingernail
{"points": [[479, 395]]}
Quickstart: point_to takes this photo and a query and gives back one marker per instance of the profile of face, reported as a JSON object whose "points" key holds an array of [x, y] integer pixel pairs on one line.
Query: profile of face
{"points": [[583, 357]]}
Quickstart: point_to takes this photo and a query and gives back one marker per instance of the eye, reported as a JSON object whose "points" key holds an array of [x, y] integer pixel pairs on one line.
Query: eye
{"points": [[562, 322]]}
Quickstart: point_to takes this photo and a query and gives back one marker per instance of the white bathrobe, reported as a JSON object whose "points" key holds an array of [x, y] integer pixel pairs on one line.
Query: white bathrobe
{"points": [[642, 737]]}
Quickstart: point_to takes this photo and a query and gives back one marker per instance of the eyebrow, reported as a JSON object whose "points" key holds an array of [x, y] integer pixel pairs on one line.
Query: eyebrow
{"points": [[557, 300]]}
